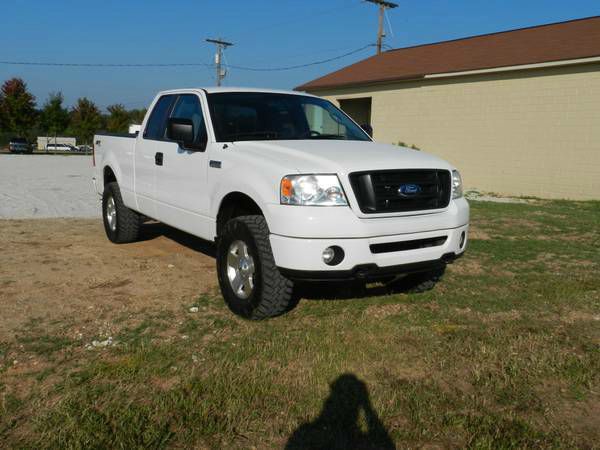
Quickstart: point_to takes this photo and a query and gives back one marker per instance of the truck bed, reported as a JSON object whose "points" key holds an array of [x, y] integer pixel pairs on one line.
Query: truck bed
{"points": [[115, 150]]}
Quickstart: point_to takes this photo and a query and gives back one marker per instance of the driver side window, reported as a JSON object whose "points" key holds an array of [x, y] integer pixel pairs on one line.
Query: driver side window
{"points": [[188, 107]]}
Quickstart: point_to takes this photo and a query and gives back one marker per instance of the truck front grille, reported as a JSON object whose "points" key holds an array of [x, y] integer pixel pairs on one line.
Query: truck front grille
{"points": [[387, 191]]}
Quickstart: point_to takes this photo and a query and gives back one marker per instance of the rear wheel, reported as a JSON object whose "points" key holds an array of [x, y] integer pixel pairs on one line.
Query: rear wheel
{"points": [[121, 224], [250, 282]]}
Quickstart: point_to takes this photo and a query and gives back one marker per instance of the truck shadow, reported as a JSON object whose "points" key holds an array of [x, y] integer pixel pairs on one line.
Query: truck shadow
{"points": [[313, 290], [338, 290], [152, 230], [347, 421]]}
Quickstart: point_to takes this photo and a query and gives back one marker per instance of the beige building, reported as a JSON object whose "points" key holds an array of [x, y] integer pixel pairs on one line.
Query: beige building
{"points": [[518, 112]]}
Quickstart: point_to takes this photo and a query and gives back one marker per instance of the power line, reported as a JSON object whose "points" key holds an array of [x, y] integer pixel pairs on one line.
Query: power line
{"points": [[51, 64], [133, 65], [299, 66]]}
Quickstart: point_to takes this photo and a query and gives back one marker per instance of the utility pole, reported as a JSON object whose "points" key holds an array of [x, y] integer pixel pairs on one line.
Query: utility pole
{"points": [[383, 5], [221, 45]]}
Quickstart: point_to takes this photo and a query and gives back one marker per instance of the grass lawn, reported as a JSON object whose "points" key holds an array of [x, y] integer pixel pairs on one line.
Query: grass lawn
{"points": [[503, 353]]}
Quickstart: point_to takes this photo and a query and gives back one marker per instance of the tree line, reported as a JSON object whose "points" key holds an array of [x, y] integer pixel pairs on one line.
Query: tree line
{"points": [[19, 116]]}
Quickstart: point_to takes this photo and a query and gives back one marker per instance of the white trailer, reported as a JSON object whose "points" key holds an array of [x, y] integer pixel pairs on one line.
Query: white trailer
{"points": [[43, 141]]}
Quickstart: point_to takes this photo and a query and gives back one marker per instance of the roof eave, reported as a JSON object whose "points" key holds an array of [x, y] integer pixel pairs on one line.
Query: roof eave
{"points": [[309, 87]]}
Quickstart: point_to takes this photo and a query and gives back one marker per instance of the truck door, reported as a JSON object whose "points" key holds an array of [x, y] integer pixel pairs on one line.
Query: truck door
{"points": [[181, 186], [145, 155]]}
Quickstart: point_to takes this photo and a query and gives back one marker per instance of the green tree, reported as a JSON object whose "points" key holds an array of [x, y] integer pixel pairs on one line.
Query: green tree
{"points": [[137, 115], [85, 120], [54, 118], [17, 107], [118, 119]]}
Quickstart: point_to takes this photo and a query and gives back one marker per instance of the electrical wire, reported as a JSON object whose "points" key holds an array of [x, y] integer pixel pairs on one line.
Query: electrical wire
{"points": [[110, 65], [299, 66], [51, 64]]}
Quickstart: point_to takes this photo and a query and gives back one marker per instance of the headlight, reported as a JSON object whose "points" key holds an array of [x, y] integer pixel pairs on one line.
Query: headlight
{"points": [[312, 190], [457, 187]]}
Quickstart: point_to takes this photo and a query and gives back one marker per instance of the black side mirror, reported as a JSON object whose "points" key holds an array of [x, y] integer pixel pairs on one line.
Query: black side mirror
{"points": [[182, 131], [367, 129]]}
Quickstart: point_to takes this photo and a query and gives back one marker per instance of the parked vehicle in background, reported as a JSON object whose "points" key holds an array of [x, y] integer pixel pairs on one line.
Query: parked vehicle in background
{"points": [[84, 148], [289, 188], [20, 145], [60, 148], [134, 128]]}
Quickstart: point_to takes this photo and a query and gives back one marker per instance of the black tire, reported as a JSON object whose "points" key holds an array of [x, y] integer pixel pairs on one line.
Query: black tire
{"points": [[272, 293], [128, 222], [416, 283]]}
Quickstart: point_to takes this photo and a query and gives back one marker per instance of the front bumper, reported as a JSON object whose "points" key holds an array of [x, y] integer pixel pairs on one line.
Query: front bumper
{"points": [[300, 258]]}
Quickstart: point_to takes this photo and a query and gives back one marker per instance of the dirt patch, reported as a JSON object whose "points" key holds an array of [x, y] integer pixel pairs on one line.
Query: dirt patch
{"points": [[501, 316], [78, 273], [383, 311], [579, 316], [522, 224], [478, 234], [468, 267]]}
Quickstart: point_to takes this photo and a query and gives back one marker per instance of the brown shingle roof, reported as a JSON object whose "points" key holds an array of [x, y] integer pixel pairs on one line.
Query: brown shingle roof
{"points": [[546, 43]]}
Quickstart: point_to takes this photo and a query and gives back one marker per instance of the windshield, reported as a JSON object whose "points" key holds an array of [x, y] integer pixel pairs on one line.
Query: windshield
{"points": [[254, 116]]}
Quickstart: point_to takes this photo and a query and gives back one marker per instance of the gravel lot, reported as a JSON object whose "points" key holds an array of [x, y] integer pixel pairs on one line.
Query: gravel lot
{"points": [[46, 186]]}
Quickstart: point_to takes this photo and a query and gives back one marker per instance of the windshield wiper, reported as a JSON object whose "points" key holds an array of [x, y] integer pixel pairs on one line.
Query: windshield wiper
{"points": [[251, 135]]}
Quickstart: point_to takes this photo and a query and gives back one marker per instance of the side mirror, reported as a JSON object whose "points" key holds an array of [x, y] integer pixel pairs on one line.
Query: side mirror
{"points": [[367, 129], [182, 131]]}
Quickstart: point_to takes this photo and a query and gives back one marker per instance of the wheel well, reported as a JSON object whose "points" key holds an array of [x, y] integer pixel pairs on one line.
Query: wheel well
{"points": [[109, 175], [233, 205]]}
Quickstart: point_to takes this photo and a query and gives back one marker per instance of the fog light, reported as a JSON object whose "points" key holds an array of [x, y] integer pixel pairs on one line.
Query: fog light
{"points": [[328, 255], [463, 238], [332, 256]]}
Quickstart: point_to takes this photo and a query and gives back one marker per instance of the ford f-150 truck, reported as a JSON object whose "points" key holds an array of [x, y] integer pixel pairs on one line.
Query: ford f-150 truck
{"points": [[288, 187]]}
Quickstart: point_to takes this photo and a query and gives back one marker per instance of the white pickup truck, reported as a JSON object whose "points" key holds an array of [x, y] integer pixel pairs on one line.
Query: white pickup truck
{"points": [[289, 188]]}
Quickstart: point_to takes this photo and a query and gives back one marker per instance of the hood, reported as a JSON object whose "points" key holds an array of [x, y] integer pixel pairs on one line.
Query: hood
{"points": [[343, 157]]}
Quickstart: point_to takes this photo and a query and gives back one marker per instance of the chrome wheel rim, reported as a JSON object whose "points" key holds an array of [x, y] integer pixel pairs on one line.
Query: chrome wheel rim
{"points": [[240, 269], [111, 213]]}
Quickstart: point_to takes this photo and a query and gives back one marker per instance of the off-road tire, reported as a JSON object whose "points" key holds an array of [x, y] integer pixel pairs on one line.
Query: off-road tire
{"points": [[416, 283], [272, 294], [128, 221]]}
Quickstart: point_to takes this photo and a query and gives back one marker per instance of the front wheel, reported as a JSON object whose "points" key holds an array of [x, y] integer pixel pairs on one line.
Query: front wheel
{"points": [[250, 282]]}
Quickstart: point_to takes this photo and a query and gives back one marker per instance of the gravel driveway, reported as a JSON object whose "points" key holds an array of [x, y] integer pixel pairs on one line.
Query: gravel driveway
{"points": [[43, 186]]}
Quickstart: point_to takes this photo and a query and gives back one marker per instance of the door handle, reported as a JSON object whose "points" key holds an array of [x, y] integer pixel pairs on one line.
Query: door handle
{"points": [[158, 159]]}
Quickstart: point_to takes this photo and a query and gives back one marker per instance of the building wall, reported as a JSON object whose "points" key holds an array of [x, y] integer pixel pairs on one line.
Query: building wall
{"points": [[528, 133]]}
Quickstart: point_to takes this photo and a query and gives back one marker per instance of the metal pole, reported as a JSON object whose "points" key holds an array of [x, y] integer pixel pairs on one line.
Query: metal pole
{"points": [[380, 30], [383, 5], [220, 46]]}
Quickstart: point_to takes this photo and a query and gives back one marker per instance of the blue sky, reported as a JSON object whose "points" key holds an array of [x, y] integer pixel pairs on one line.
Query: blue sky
{"points": [[266, 33]]}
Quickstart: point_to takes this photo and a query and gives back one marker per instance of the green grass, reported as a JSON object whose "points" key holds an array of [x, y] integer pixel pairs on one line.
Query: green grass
{"points": [[504, 353]]}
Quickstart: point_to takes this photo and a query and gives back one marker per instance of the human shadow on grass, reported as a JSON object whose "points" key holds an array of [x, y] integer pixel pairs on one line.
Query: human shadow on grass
{"points": [[339, 425]]}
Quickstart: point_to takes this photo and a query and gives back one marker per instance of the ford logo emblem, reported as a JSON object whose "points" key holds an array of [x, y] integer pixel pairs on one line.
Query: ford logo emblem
{"points": [[409, 190]]}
